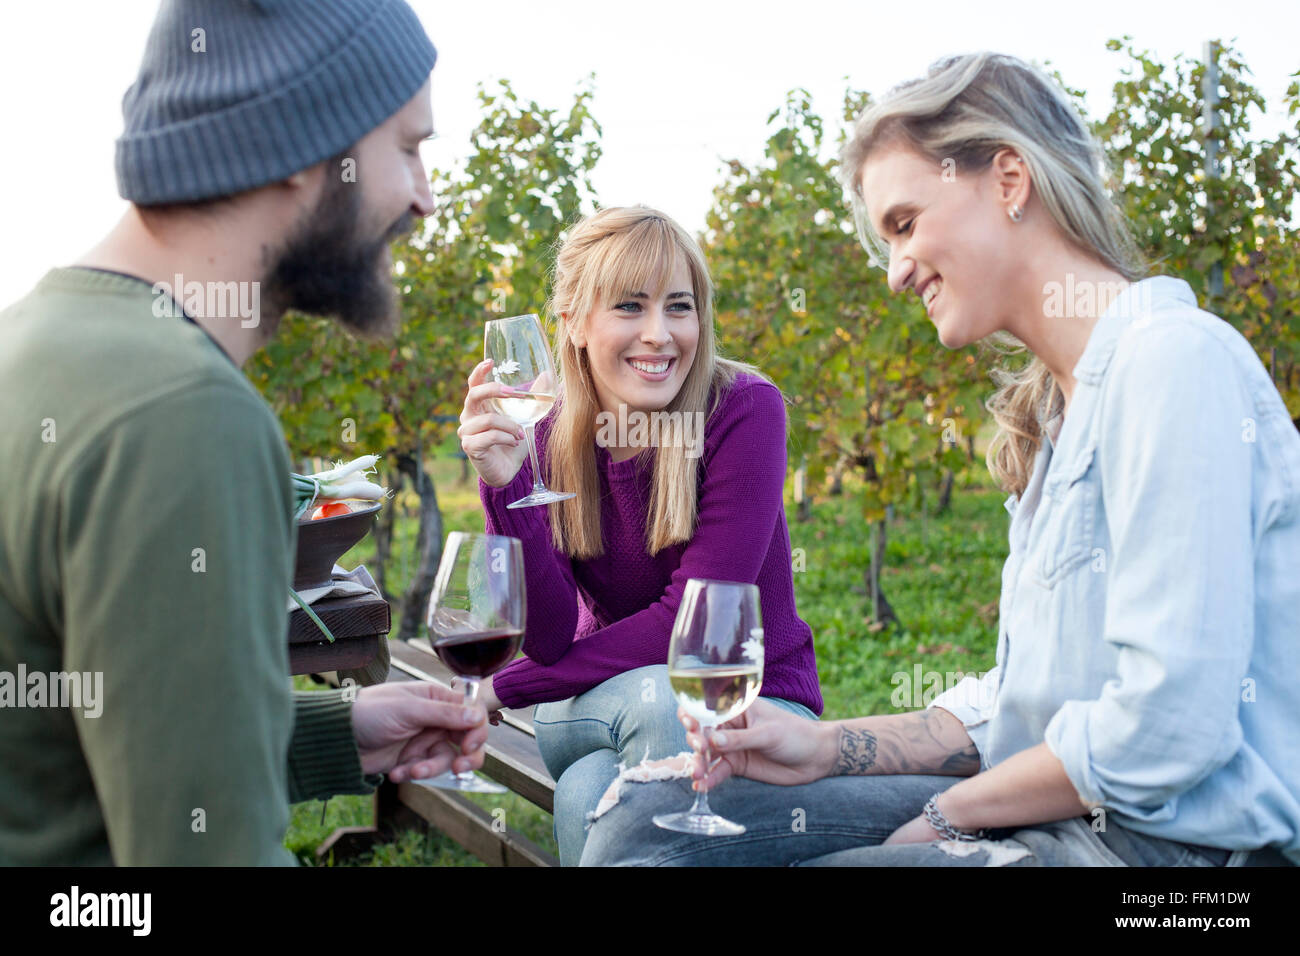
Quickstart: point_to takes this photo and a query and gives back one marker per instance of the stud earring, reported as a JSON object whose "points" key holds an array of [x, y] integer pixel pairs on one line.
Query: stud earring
{"points": [[1014, 213]]}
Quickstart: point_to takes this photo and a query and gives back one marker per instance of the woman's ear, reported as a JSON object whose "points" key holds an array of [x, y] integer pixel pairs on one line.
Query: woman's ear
{"points": [[575, 331], [1011, 179]]}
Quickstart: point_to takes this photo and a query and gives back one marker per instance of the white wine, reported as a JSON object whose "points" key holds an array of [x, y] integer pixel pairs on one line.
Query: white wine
{"points": [[527, 408], [716, 694]]}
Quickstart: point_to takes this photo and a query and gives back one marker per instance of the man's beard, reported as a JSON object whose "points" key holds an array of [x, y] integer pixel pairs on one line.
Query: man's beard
{"points": [[329, 268]]}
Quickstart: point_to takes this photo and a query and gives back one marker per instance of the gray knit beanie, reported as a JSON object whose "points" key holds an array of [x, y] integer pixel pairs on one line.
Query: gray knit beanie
{"points": [[235, 94]]}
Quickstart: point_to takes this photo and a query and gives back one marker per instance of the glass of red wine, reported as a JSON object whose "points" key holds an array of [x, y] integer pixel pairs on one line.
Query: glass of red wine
{"points": [[476, 621]]}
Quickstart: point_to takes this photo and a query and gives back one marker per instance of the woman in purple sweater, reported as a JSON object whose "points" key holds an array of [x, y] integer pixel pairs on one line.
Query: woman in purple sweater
{"points": [[678, 461]]}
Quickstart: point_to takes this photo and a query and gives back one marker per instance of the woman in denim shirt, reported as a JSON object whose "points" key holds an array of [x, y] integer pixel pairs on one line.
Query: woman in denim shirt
{"points": [[1144, 703]]}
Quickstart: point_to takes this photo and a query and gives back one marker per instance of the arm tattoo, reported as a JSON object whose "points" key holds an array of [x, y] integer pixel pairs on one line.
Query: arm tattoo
{"points": [[857, 752], [919, 742], [961, 763], [952, 752]]}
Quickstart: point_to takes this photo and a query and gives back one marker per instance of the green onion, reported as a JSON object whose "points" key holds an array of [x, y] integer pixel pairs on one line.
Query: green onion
{"points": [[341, 481], [311, 614]]}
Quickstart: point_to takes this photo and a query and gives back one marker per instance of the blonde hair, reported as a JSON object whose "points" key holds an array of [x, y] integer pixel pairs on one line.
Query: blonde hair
{"points": [[608, 254], [966, 109]]}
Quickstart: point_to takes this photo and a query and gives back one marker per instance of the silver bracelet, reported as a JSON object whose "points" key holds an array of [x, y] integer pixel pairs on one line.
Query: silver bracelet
{"points": [[940, 824]]}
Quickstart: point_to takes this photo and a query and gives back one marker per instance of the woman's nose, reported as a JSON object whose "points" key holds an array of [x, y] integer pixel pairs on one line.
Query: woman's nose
{"points": [[656, 329], [900, 272]]}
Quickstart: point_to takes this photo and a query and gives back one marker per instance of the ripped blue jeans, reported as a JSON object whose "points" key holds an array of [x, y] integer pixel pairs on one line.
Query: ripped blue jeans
{"points": [[842, 821], [627, 719]]}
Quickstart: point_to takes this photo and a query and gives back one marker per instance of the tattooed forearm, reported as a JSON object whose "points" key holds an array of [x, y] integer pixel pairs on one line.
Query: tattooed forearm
{"points": [[927, 741], [857, 754], [961, 763]]}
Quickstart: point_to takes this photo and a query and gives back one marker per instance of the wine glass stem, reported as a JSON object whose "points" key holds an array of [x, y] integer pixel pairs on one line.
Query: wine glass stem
{"points": [[701, 807], [532, 455], [471, 698]]}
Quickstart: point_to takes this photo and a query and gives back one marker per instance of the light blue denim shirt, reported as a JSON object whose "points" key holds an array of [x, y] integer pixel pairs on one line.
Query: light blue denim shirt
{"points": [[1150, 609]]}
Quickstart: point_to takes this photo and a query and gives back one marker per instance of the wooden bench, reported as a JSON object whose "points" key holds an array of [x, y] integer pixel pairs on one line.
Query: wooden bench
{"points": [[512, 759]]}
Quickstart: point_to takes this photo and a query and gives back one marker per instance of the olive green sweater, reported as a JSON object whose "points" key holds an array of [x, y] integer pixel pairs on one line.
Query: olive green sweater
{"points": [[146, 543]]}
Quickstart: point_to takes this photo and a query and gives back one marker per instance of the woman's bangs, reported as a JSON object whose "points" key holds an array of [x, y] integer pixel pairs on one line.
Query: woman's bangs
{"points": [[642, 260]]}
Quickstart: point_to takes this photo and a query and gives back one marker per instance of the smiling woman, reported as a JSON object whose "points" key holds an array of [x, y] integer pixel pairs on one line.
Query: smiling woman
{"points": [[692, 489], [981, 174], [1123, 444], [1142, 708]]}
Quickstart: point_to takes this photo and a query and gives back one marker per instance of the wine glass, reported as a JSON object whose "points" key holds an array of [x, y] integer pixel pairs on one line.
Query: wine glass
{"points": [[715, 666], [476, 621], [521, 359]]}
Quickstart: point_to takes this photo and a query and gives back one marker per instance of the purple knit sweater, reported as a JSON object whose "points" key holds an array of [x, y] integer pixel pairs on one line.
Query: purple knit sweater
{"points": [[589, 621]]}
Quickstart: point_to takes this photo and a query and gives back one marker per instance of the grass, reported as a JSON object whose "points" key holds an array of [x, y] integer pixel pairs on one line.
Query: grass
{"points": [[942, 575]]}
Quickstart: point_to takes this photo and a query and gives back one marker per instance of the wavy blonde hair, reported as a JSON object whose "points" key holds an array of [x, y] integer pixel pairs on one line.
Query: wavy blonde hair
{"points": [[607, 255], [967, 108]]}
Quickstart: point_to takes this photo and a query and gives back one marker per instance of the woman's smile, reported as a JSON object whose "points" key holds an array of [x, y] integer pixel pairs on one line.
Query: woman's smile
{"points": [[929, 292], [653, 368]]}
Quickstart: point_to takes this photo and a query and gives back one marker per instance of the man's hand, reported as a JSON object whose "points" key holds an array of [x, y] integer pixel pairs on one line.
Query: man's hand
{"points": [[414, 730], [764, 743], [486, 696]]}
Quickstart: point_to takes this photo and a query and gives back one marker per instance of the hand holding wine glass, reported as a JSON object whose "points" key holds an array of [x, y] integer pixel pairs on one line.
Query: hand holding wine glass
{"points": [[416, 729], [521, 359], [476, 619], [715, 667], [765, 743], [494, 443]]}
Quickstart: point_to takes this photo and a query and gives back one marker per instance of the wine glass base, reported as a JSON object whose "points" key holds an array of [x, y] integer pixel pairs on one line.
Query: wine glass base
{"points": [[701, 824], [469, 783], [541, 498]]}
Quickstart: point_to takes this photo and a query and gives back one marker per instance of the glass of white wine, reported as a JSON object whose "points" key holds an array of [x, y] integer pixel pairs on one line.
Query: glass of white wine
{"points": [[521, 359], [715, 666]]}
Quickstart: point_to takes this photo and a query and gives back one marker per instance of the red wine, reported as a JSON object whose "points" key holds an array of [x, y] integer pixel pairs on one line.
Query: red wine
{"points": [[478, 653]]}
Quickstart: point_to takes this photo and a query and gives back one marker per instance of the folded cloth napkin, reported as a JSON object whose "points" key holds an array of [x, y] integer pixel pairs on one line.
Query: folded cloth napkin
{"points": [[343, 584], [352, 583]]}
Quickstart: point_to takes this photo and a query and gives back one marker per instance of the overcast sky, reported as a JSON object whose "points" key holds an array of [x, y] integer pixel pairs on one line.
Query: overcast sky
{"points": [[680, 86]]}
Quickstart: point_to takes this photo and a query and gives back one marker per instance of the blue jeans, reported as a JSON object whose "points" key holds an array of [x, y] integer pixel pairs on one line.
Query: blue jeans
{"points": [[627, 719], [841, 821]]}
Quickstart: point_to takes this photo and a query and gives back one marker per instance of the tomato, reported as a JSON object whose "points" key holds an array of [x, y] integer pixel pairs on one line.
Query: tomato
{"points": [[331, 509]]}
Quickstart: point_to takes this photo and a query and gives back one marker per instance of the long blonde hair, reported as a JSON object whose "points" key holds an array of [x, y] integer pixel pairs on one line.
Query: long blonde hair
{"points": [[966, 109], [608, 254]]}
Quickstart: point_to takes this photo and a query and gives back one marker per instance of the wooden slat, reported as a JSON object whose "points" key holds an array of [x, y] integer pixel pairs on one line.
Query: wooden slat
{"points": [[345, 617], [472, 827], [344, 654], [515, 763]]}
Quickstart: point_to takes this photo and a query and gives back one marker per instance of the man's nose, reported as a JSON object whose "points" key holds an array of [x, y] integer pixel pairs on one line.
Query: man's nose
{"points": [[422, 205]]}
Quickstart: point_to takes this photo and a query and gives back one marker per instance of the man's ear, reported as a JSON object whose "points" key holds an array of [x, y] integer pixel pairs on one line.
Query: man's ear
{"points": [[307, 181]]}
